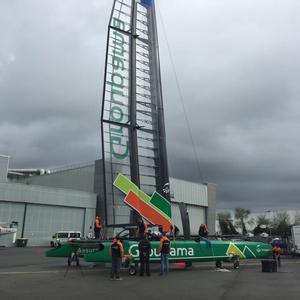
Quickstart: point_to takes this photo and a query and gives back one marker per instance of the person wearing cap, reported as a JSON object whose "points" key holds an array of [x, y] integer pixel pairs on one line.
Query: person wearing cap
{"points": [[164, 250], [116, 251], [97, 228]]}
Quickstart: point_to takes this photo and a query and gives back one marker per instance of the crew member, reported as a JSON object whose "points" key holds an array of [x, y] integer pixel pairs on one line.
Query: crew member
{"points": [[97, 228], [142, 228], [203, 231], [144, 249], [116, 251], [174, 231], [276, 250], [164, 250]]}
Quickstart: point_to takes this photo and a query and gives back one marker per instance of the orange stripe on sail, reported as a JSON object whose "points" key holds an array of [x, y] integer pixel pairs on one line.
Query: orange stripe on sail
{"points": [[147, 211]]}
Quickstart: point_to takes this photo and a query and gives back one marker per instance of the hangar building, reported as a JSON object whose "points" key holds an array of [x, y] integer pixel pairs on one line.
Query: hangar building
{"points": [[68, 199]]}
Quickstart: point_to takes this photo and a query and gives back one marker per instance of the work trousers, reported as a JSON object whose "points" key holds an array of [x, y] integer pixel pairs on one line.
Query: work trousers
{"points": [[115, 267], [277, 258], [164, 263], [97, 233], [144, 261]]}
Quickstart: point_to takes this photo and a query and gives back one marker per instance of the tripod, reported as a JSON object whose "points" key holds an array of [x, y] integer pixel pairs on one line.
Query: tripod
{"points": [[74, 258]]}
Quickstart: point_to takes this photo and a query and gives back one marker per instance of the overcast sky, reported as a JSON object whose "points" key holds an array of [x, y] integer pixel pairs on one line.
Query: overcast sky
{"points": [[238, 68]]}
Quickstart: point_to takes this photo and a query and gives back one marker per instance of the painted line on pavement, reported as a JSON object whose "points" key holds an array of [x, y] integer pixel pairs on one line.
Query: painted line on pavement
{"points": [[46, 272], [105, 270]]}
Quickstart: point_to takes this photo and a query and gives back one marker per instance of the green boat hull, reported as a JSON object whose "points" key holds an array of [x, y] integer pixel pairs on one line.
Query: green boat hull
{"points": [[191, 251], [181, 250], [83, 248]]}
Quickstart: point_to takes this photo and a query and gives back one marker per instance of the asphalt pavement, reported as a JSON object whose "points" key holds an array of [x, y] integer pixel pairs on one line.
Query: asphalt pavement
{"points": [[25, 273]]}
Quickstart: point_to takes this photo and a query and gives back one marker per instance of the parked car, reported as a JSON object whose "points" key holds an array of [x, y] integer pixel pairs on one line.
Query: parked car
{"points": [[63, 236]]}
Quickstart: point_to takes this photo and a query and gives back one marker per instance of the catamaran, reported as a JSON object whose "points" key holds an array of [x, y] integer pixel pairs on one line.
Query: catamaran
{"points": [[134, 156]]}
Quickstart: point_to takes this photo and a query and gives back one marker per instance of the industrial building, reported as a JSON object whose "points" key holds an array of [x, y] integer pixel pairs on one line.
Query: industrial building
{"points": [[68, 199], [41, 210]]}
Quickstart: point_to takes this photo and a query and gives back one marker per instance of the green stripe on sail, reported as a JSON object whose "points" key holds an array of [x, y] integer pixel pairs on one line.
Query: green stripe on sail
{"points": [[125, 185], [161, 203]]}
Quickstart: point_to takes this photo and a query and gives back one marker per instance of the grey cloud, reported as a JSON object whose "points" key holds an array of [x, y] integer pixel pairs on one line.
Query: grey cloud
{"points": [[238, 67]]}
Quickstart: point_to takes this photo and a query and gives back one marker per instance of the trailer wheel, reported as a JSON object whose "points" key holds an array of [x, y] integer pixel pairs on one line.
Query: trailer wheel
{"points": [[218, 264], [236, 264], [132, 270], [188, 264]]}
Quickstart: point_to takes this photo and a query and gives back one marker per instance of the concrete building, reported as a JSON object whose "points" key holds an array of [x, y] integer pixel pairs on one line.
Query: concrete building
{"points": [[68, 199], [43, 210]]}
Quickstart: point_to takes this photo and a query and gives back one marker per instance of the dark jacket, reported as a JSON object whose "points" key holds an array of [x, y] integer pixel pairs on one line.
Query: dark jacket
{"points": [[144, 248], [142, 227], [203, 230], [164, 245]]}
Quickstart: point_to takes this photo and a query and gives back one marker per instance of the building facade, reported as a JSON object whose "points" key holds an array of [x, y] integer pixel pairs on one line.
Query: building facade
{"points": [[200, 199], [42, 210]]}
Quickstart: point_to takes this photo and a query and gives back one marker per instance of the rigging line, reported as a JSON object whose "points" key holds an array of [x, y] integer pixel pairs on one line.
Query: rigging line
{"points": [[180, 94]]}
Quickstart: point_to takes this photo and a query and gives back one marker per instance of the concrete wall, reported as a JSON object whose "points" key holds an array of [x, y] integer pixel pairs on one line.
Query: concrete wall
{"points": [[3, 167], [41, 211], [211, 209], [188, 192], [200, 200], [78, 178], [197, 215]]}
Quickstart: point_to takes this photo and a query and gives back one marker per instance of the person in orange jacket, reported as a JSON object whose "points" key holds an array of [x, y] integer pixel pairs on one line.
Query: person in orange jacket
{"points": [[97, 228], [276, 250], [164, 250], [116, 251]]}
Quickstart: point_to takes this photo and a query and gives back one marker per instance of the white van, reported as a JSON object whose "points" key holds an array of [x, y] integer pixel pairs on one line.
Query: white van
{"points": [[63, 236]]}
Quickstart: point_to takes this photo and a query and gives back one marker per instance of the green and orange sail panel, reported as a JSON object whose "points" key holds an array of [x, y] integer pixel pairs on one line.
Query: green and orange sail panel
{"points": [[155, 209]]}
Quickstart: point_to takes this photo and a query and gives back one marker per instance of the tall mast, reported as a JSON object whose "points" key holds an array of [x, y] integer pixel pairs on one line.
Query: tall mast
{"points": [[134, 159]]}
